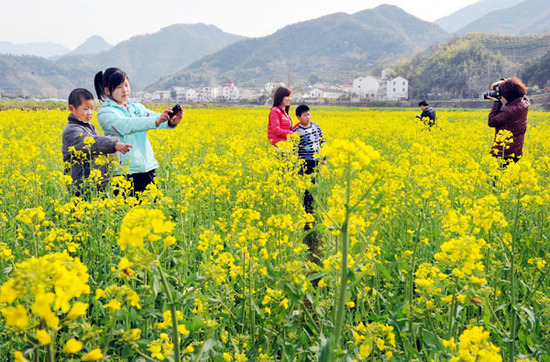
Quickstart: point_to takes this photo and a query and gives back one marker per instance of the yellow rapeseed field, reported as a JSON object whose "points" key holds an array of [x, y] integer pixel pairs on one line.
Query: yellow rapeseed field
{"points": [[422, 247]]}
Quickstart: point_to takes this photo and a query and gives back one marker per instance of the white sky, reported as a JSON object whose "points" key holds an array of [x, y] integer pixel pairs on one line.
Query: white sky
{"points": [[70, 22]]}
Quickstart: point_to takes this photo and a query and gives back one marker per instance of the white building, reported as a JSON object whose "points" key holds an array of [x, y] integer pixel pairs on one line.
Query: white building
{"points": [[208, 94], [365, 87], [397, 89], [271, 86], [162, 96], [230, 92], [373, 88]]}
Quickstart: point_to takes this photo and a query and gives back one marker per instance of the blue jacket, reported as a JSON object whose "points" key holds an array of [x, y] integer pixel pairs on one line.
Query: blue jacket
{"points": [[131, 125]]}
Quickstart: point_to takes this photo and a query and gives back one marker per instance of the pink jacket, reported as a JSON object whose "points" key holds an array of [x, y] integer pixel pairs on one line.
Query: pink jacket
{"points": [[279, 125]]}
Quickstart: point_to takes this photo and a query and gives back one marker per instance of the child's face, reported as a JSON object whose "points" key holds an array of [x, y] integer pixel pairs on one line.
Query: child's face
{"points": [[121, 93], [305, 118], [84, 111]]}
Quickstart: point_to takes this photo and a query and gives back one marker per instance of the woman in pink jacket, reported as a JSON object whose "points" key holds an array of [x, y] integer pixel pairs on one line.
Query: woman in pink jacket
{"points": [[280, 123]]}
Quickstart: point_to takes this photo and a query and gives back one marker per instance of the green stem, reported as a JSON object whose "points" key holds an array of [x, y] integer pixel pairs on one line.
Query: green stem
{"points": [[513, 284], [51, 352], [108, 339], [452, 311], [172, 312], [339, 317]]}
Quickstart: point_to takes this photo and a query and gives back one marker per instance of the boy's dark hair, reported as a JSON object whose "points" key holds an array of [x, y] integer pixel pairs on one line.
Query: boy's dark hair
{"points": [[79, 94], [110, 79], [302, 108], [423, 103]]}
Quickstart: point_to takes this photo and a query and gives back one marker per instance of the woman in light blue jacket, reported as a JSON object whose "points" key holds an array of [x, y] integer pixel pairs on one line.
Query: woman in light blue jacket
{"points": [[130, 121]]}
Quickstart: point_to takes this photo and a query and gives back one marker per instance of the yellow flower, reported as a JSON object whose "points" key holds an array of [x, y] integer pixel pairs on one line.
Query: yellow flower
{"points": [[93, 355], [16, 316], [43, 336], [19, 357], [78, 309], [72, 346], [113, 304]]}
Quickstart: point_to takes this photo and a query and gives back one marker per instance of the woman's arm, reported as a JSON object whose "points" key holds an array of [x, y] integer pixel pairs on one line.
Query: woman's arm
{"points": [[275, 124], [498, 116], [113, 122]]}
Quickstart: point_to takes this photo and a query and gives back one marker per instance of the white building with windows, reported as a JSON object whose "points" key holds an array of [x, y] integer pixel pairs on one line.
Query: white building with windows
{"points": [[397, 89], [374, 88], [365, 87]]}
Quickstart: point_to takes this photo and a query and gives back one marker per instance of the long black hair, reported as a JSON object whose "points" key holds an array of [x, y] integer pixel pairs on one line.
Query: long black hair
{"points": [[280, 93], [110, 79]]}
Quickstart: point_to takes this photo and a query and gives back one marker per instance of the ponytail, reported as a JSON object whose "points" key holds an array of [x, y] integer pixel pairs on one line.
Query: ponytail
{"points": [[110, 79], [99, 87]]}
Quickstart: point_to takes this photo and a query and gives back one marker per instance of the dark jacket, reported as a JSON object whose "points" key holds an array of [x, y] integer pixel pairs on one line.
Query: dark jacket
{"points": [[429, 112], [512, 117], [79, 157]]}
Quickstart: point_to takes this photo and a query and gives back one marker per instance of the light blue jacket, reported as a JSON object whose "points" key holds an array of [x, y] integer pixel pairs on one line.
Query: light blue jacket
{"points": [[131, 125]]}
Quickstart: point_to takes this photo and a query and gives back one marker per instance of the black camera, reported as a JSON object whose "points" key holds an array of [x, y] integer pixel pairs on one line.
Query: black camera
{"points": [[495, 93], [175, 110]]}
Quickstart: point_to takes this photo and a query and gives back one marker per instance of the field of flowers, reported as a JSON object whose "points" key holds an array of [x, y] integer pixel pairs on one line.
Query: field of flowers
{"points": [[422, 248]]}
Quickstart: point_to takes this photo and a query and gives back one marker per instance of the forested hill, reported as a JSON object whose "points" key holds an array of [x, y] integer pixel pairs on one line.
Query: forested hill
{"points": [[147, 58], [31, 76], [331, 48], [465, 67], [536, 72]]}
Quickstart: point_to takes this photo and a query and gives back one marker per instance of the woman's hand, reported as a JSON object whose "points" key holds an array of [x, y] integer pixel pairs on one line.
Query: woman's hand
{"points": [[176, 119], [164, 117]]}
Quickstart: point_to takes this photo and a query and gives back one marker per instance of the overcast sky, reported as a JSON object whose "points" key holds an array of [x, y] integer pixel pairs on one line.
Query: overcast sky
{"points": [[70, 23]]}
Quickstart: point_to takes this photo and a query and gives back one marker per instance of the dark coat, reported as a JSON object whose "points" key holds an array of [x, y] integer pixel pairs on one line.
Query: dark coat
{"points": [[511, 117], [79, 157]]}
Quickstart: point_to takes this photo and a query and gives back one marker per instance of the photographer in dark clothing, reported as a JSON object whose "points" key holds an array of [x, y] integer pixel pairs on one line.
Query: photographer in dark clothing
{"points": [[427, 112], [509, 113]]}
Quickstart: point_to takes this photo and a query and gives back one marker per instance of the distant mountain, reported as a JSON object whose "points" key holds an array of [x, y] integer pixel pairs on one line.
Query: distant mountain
{"points": [[331, 48], [93, 45], [44, 50], [466, 66], [528, 17], [146, 58], [31, 76], [466, 15]]}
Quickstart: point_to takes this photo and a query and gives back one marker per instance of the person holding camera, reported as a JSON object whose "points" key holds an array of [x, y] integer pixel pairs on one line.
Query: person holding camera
{"points": [[121, 117], [509, 113], [428, 113]]}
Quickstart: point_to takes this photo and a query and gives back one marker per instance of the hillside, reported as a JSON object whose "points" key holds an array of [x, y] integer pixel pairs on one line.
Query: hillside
{"points": [[465, 67], [93, 45], [528, 17], [147, 58], [331, 48], [536, 72], [466, 15], [30, 76]]}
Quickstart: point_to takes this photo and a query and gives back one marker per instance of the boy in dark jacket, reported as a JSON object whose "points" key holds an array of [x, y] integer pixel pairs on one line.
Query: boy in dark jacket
{"points": [[82, 146], [427, 112]]}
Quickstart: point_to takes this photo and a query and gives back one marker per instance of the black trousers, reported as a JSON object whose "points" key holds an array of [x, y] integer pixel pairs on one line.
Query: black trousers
{"points": [[308, 167], [141, 180]]}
